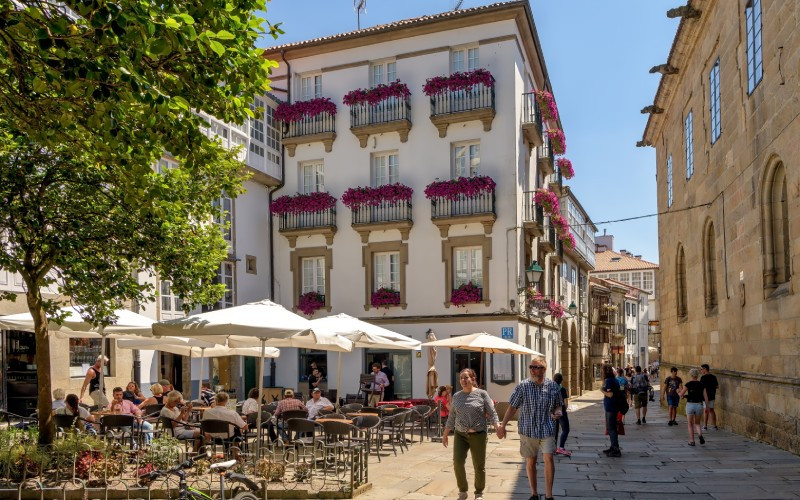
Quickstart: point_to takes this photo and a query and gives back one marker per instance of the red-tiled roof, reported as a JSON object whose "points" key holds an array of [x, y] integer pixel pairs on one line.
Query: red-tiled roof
{"points": [[609, 261]]}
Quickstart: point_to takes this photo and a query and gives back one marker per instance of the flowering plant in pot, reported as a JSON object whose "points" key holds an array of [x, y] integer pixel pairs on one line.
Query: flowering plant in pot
{"points": [[302, 203], [547, 105], [556, 310], [385, 297], [377, 94], [310, 302], [299, 110], [532, 294], [457, 81], [565, 167], [548, 200], [466, 294], [558, 143], [357, 197], [453, 189]]}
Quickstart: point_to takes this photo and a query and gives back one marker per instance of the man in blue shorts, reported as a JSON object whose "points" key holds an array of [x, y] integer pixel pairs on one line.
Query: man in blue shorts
{"points": [[671, 386]]}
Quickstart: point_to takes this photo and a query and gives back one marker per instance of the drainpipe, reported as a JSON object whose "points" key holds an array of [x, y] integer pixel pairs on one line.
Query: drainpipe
{"points": [[272, 366]]}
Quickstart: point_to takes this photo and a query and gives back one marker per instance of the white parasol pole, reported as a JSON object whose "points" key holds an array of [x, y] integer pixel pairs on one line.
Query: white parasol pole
{"points": [[102, 362], [200, 387], [260, 398], [338, 379]]}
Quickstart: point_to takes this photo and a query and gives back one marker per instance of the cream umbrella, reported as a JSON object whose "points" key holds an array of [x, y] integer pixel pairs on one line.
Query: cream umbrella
{"points": [[484, 343]]}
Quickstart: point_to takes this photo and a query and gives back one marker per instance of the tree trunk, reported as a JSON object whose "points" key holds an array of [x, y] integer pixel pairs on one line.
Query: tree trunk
{"points": [[45, 405]]}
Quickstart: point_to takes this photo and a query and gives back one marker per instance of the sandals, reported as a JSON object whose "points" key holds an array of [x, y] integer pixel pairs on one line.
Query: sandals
{"points": [[691, 443]]}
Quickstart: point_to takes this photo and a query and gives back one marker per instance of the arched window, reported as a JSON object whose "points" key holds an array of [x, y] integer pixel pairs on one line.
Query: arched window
{"points": [[680, 284], [710, 268], [775, 221]]}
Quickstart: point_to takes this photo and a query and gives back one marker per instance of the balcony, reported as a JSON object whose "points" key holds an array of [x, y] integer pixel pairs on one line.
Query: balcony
{"points": [[386, 215], [604, 316], [547, 243], [389, 115], [294, 225], [558, 253], [457, 106], [531, 121], [556, 184], [464, 209], [532, 215], [319, 128], [546, 159]]}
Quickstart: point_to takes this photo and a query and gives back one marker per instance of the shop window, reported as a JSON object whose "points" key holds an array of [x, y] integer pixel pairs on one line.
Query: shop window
{"points": [[83, 353]]}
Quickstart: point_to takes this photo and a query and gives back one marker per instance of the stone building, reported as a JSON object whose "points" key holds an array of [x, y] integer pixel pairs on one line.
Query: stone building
{"points": [[724, 123]]}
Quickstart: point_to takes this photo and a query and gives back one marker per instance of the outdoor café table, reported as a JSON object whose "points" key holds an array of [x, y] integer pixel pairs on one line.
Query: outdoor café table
{"points": [[400, 404]]}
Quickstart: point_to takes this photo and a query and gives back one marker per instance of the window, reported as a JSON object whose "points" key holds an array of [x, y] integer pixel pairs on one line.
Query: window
{"points": [[387, 271], [754, 68], [713, 89], [385, 72], [257, 127], [680, 284], [313, 173], [710, 268], [83, 353], [613, 276], [625, 278], [647, 281], [466, 159], [636, 279], [273, 136], [308, 356], [163, 165], [468, 267], [464, 59], [171, 305], [775, 227], [225, 276], [310, 87], [251, 264], [313, 275], [669, 181], [689, 146], [627, 309], [224, 217], [385, 169]]}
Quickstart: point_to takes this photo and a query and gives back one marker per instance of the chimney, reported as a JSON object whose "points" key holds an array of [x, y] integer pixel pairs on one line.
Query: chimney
{"points": [[638, 257], [623, 252]]}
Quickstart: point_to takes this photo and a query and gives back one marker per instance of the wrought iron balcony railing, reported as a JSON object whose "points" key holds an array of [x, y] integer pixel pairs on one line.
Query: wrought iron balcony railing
{"points": [[388, 110], [531, 212], [383, 212], [531, 120], [319, 124], [546, 157], [307, 220], [442, 207], [457, 101]]}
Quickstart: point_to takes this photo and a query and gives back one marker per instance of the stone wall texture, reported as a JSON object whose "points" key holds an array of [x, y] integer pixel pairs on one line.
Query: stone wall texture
{"points": [[751, 338]]}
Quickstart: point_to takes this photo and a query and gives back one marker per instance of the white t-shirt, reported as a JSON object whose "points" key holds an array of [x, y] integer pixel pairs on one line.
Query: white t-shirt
{"points": [[250, 406], [82, 413], [315, 406], [222, 413]]}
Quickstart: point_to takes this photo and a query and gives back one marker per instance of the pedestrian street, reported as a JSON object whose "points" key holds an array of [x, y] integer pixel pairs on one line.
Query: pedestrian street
{"points": [[656, 462]]}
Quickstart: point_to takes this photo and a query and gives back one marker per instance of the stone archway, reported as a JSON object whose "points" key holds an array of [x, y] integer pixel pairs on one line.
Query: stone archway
{"points": [[575, 377], [566, 356]]}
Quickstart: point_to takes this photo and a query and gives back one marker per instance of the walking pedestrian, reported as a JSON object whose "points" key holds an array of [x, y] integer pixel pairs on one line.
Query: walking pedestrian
{"points": [[469, 410], [612, 393], [695, 395], [562, 424], [709, 381], [92, 380], [624, 384], [672, 385], [640, 386], [540, 404]]}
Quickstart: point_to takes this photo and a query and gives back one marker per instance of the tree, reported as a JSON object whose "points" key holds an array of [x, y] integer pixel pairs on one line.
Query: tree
{"points": [[91, 94]]}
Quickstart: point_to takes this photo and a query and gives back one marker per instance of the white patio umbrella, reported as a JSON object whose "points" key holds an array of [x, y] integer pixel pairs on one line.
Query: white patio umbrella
{"points": [[128, 324], [362, 334], [484, 343], [253, 324]]}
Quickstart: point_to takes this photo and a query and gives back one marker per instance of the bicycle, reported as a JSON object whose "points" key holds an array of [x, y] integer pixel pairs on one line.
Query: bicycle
{"points": [[245, 491]]}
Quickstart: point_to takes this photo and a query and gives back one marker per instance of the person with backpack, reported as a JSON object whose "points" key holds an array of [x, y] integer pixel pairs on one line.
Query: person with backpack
{"points": [[672, 385], [640, 386], [624, 384], [613, 397]]}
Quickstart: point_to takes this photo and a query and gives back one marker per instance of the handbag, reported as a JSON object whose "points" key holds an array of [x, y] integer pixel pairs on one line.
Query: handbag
{"points": [[620, 427]]}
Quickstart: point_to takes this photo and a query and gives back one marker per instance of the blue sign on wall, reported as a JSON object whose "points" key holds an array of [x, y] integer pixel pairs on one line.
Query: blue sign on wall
{"points": [[507, 332]]}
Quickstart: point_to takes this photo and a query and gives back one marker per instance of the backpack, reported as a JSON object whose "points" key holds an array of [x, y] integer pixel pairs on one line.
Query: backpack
{"points": [[621, 402], [640, 383]]}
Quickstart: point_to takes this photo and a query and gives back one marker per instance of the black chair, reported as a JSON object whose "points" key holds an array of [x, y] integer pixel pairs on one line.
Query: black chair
{"points": [[369, 409], [252, 424], [343, 450], [168, 426], [152, 410], [369, 424], [354, 406], [325, 413], [65, 423], [212, 426], [332, 414], [417, 418], [118, 427], [331, 395]]}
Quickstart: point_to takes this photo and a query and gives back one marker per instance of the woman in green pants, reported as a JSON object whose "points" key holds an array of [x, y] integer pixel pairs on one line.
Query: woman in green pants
{"points": [[470, 411]]}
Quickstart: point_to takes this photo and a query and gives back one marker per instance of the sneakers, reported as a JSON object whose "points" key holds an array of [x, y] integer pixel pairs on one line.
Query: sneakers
{"points": [[669, 423], [615, 453], [716, 428], [702, 440], [478, 496], [534, 497], [562, 451], [639, 422], [644, 420], [705, 427], [462, 495]]}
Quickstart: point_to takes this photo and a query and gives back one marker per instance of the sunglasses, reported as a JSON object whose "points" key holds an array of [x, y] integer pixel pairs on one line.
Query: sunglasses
{"points": [[536, 367]]}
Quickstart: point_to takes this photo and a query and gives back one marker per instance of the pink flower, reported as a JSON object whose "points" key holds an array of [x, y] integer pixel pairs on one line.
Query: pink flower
{"points": [[548, 200], [452, 190], [357, 197], [298, 110], [310, 302], [547, 105], [302, 203], [457, 81], [466, 294], [558, 143], [556, 309], [565, 167], [385, 297], [377, 94]]}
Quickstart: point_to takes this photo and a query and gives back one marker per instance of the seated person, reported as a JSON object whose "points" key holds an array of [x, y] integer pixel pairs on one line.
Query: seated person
{"points": [[71, 407], [132, 393], [156, 399], [179, 416], [166, 385], [125, 407], [206, 394], [222, 412], [251, 403], [58, 399], [288, 403], [317, 403]]}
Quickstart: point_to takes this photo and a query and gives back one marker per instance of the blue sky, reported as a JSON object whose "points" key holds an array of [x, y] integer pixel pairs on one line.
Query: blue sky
{"points": [[598, 55]]}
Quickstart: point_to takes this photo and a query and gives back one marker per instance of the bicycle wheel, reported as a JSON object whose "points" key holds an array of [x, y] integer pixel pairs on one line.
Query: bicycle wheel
{"points": [[246, 495]]}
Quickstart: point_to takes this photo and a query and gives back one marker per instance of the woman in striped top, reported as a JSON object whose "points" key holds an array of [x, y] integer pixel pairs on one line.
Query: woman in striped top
{"points": [[470, 411]]}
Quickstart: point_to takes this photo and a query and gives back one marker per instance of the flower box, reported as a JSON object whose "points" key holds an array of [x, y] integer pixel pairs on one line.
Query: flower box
{"points": [[302, 203], [556, 310], [548, 200], [466, 294], [385, 297], [558, 143], [310, 302], [357, 197], [457, 81], [300, 110], [547, 105], [377, 94], [565, 167], [454, 189]]}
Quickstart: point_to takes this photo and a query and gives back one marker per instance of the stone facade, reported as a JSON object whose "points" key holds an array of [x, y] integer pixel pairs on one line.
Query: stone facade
{"points": [[731, 230]]}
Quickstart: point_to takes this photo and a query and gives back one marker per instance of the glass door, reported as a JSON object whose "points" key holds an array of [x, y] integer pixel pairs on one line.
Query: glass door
{"points": [[466, 359], [399, 362]]}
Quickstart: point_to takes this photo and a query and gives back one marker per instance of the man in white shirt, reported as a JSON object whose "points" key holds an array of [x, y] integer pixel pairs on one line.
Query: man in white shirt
{"points": [[317, 403], [222, 412]]}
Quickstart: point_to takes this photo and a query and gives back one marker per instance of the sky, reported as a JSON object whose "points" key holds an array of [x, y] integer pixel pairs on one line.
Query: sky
{"points": [[598, 55]]}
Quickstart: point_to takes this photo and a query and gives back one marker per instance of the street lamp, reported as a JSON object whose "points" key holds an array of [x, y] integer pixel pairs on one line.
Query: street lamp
{"points": [[534, 272], [572, 308]]}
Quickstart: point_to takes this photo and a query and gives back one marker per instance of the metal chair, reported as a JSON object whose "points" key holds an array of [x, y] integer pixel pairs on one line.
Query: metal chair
{"points": [[369, 425], [343, 450], [324, 413], [119, 427], [212, 426], [369, 409], [332, 415], [418, 417], [354, 406], [65, 423]]}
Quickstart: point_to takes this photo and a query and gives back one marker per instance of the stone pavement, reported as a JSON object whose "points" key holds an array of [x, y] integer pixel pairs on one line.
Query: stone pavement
{"points": [[656, 462]]}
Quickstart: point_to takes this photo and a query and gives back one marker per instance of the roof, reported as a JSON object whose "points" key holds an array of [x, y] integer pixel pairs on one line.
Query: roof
{"points": [[396, 24], [609, 261]]}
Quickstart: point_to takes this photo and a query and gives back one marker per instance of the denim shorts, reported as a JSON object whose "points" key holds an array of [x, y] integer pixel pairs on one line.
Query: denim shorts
{"points": [[673, 400], [694, 409]]}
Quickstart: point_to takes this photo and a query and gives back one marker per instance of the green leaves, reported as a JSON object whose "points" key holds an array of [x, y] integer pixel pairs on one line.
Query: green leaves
{"points": [[217, 47]]}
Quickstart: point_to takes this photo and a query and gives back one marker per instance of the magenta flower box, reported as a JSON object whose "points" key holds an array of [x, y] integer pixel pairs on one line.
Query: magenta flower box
{"points": [[377, 94], [466, 294], [558, 143], [457, 81], [357, 197], [565, 167], [548, 200], [302, 203], [454, 189], [311, 302], [547, 105], [385, 297], [301, 110]]}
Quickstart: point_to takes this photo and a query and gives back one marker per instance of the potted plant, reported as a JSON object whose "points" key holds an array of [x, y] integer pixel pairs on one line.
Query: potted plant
{"points": [[300, 110], [466, 294], [548, 200], [377, 94], [357, 197], [302, 203], [385, 297], [453, 189], [310, 302], [558, 143], [565, 167], [547, 105]]}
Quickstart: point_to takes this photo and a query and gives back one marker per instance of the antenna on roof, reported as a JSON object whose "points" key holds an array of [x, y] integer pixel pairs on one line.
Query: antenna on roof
{"points": [[458, 4], [359, 5]]}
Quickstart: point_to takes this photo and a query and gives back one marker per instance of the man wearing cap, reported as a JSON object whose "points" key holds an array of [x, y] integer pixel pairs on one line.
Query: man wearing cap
{"points": [[166, 385], [317, 403], [288, 403]]}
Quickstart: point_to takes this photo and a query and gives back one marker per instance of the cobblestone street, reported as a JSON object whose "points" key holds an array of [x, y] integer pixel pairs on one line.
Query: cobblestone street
{"points": [[656, 463]]}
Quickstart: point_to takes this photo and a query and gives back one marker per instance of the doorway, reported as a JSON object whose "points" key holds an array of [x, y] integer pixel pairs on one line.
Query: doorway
{"points": [[460, 360], [400, 364], [171, 368]]}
